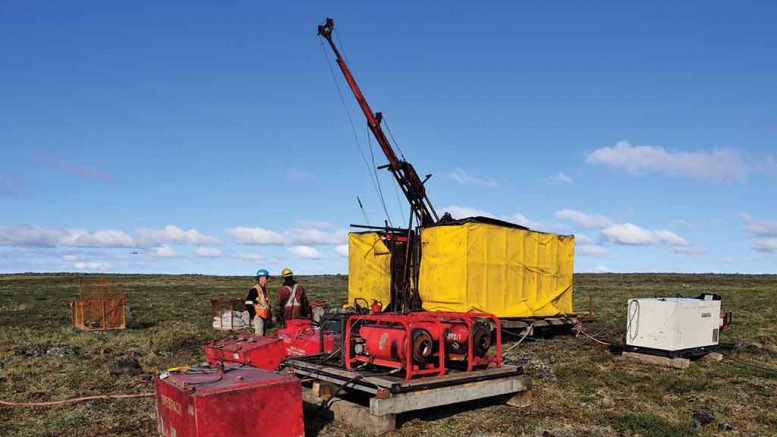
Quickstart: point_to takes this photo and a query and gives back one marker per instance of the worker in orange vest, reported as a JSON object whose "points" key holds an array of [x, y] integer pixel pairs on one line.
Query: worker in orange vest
{"points": [[292, 303], [258, 303]]}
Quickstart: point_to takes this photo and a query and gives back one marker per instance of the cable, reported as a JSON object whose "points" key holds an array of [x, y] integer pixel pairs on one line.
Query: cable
{"points": [[396, 144], [353, 125], [633, 315], [377, 180], [580, 330], [73, 400], [748, 364], [526, 334]]}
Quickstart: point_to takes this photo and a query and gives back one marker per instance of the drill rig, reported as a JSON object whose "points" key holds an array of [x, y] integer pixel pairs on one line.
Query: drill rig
{"points": [[441, 264], [403, 243]]}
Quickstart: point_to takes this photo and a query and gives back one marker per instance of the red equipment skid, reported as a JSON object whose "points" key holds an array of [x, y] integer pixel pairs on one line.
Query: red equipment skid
{"points": [[229, 402], [450, 319], [405, 324], [301, 338], [255, 350]]}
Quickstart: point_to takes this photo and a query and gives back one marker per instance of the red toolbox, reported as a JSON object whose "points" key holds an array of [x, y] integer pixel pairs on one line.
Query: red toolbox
{"points": [[238, 401], [254, 350]]}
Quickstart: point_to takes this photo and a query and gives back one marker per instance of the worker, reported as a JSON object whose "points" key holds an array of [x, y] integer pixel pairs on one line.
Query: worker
{"points": [[292, 303], [258, 303]]}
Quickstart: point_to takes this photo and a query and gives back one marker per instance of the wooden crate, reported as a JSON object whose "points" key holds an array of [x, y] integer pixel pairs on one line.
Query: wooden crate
{"points": [[98, 313], [225, 311], [101, 305]]}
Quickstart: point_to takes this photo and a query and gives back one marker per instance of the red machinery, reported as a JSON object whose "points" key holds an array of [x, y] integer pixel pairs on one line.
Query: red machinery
{"points": [[232, 401], [301, 338], [255, 350], [421, 343]]}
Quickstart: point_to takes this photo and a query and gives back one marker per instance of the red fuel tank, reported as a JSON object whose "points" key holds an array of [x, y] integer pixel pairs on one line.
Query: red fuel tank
{"points": [[236, 402], [254, 350]]}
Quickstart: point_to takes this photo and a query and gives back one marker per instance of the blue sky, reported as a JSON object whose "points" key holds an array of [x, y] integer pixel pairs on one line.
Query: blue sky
{"points": [[209, 137]]}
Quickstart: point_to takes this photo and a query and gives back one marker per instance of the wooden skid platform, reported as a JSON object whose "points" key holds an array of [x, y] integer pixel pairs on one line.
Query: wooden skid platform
{"points": [[392, 384], [390, 396], [539, 323], [677, 363]]}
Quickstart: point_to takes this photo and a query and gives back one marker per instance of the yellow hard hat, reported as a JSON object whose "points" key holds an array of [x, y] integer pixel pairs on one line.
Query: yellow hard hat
{"points": [[285, 273]]}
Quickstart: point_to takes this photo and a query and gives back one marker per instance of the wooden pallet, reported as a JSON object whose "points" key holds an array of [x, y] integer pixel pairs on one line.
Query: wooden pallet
{"points": [[677, 363], [389, 396], [519, 326]]}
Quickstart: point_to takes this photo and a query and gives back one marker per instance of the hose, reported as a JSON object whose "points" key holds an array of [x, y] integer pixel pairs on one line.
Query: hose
{"points": [[73, 400]]}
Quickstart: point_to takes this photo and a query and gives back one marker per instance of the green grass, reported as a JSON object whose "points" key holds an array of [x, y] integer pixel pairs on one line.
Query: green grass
{"points": [[580, 390]]}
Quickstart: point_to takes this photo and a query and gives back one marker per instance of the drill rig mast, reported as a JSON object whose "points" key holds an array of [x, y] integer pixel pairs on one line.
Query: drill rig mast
{"points": [[411, 184]]}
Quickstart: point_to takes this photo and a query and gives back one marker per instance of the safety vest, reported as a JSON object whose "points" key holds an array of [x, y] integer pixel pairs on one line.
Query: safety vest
{"points": [[262, 309]]}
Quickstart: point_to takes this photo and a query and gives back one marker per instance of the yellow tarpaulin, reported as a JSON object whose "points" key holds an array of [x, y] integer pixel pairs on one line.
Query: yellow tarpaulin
{"points": [[510, 272], [369, 268]]}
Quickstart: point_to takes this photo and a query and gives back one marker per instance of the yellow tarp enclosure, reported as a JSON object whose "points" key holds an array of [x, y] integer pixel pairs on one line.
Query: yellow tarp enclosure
{"points": [[369, 268], [509, 271]]}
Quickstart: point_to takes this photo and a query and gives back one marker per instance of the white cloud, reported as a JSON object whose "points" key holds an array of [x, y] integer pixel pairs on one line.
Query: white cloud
{"points": [[91, 265], [583, 239], [584, 220], [25, 235], [765, 245], [764, 229], [463, 178], [629, 234], [690, 250], [164, 252], [312, 224], [306, 252], [593, 250], [172, 234], [670, 238], [342, 250], [632, 235], [249, 256], [105, 238], [207, 252], [315, 234], [258, 236], [460, 212], [601, 268], [719, 165], [524, 221], [31, 235], [561, 178]]}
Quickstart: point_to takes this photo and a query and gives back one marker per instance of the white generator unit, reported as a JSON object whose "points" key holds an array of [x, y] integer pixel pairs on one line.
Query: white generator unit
{"points": [[674, 326]]}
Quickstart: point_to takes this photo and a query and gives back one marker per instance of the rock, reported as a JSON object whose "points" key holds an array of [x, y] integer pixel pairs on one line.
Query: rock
{"points": [[125, 365], [49, 351], [725, 426], [704, 417], [696, 426], [56, 351]]}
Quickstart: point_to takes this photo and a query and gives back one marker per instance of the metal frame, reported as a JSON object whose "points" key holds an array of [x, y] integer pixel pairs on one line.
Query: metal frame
{"points": [[411, 369], [468, 318]]}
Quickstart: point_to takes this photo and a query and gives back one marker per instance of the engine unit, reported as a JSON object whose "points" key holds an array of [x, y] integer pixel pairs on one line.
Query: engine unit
{"points": [[674, 326]]}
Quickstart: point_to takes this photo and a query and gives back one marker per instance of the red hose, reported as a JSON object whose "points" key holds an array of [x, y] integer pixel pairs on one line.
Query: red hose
{"points": [[66, 401]]}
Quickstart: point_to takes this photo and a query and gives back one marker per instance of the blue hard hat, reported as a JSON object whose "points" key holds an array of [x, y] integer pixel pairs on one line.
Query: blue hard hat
{"points": [[262, 272]]}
